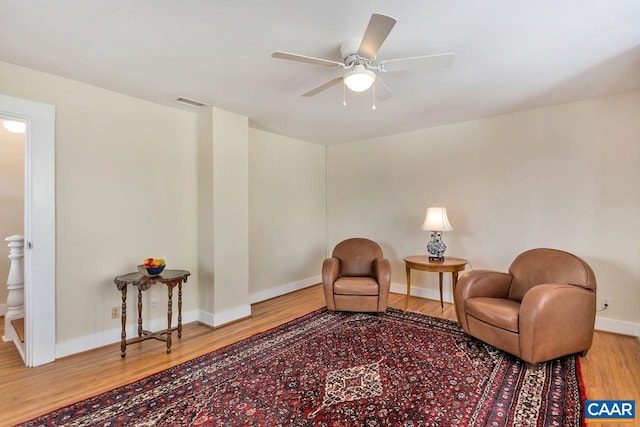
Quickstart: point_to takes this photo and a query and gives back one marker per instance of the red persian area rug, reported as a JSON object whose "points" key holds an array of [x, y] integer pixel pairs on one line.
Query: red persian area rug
{"points": [[345, 369]]}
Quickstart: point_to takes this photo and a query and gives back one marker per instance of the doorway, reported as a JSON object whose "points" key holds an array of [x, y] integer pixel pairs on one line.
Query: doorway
{"points": [[12, 166], [39, 225]]}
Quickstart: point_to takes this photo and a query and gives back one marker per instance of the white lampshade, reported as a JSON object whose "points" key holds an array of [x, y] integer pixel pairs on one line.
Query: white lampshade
{"points": [[436, 220], [359, 79]]}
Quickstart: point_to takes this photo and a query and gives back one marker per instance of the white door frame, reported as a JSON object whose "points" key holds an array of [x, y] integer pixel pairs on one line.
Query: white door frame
{"points": [[40, 226]]}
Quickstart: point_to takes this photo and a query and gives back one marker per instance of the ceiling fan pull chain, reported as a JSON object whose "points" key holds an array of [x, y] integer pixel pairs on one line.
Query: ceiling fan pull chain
{"points": [[344, 93], [373, 95]]}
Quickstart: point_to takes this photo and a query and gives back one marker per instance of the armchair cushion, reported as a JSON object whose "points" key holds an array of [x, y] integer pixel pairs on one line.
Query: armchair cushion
{"points": [[498, 312], [479, 283], [356, 286]]}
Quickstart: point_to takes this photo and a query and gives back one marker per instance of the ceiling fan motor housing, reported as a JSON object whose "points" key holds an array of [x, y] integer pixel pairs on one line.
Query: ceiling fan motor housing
{"points": [[349, 52]]}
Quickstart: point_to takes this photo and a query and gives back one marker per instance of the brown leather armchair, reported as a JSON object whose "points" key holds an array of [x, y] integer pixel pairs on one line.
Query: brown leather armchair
{"points": [[544, 308], [356, 277]]}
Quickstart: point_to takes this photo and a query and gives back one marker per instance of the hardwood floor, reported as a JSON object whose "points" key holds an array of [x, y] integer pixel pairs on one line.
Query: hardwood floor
{"points": [[611, 370]]}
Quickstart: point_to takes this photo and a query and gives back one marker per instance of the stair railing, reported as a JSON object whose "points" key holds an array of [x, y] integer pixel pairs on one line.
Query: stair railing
{"points": [[15, 288]]}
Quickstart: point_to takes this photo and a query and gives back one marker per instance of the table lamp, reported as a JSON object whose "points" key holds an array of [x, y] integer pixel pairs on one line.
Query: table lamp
{"points": [[436, 221]]}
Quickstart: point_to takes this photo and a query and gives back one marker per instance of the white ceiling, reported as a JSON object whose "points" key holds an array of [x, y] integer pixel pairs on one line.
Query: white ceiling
{"points": [[511, 55]]}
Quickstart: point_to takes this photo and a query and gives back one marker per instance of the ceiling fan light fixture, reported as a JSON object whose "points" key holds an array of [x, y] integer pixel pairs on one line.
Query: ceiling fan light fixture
{"points": [[14, 126], [359, 79]]}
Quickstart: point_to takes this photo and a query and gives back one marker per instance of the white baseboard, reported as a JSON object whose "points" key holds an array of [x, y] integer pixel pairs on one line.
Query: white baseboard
{"points": [[434, 294], [618, 326], [3, 309], [226, 316], [602, 324], [100, 339], [284, 289]]}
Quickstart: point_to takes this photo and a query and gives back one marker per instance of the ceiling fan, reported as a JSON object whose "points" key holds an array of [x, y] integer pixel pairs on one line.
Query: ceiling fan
{"points": [[358, 58]]}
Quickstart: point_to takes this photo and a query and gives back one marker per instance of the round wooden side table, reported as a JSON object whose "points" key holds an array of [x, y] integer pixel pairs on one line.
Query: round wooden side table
{"points": [[421, 262]]}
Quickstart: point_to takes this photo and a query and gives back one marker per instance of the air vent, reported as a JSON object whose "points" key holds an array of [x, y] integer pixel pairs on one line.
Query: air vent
{"points": [[191, 102]]}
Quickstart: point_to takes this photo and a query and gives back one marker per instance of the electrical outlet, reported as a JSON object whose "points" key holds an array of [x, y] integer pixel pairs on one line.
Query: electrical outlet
{"points": [[154, 304], [115, 312], [606, 301]]}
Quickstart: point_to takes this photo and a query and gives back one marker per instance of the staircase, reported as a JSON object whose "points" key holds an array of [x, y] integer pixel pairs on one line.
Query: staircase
{"points": [[18, 326], [14, 318]]}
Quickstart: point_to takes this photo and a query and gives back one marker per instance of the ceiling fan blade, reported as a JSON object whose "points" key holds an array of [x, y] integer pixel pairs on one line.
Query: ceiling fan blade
{"points": [[382, 90], [376, 33], [322, 87], [307, 59], [416, 62]]}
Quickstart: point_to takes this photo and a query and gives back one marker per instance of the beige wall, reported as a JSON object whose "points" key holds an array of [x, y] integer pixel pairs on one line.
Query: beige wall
{"points": [[287, 215], [205, 213], [223, 215], [563, 177], [11, 197], [125, 190], [127, 187]]}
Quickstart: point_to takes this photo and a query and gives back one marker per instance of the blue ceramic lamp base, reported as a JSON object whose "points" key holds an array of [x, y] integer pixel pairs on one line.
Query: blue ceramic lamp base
{"points": [[436, 247]]}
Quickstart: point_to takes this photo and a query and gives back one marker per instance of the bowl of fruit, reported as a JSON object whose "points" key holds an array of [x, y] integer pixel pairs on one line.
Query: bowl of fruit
{"points": [[151, 267]]}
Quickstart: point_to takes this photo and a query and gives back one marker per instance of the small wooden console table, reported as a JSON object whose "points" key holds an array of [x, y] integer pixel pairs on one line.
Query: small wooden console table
{"points": [[421, 262], [171, 278]]}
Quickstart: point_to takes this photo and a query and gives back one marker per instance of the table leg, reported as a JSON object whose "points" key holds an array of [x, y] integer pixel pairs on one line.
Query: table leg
{"points": [[180, 310], [139, 312], [440, 274], [454, 281], [123, 319], [169, 315], [406, 303]]}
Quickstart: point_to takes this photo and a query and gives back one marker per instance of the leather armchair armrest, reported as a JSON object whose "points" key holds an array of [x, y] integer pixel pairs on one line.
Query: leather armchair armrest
{"points": [[556, 320], [479, 283], [382, 270], [330, 272], [484, 283]]}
